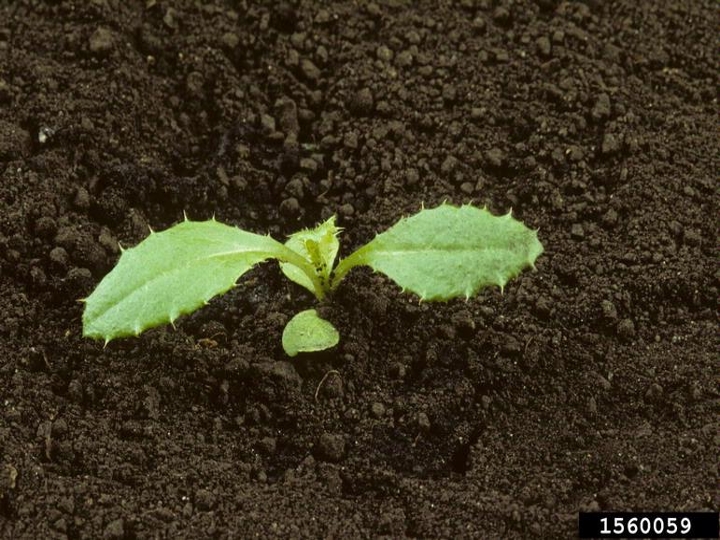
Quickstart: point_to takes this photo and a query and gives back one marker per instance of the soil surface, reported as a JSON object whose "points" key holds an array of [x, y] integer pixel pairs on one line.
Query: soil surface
{"points": [[590, 384]]}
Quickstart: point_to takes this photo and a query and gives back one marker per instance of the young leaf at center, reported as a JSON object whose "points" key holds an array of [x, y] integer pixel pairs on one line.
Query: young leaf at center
{"points": [[319, 246]]}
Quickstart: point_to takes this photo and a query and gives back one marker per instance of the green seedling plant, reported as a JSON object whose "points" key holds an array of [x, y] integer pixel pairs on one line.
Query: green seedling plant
{"points": [[438, 254]]}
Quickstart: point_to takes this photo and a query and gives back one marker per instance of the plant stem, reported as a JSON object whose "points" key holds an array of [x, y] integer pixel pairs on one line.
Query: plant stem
{"points": [[344, 266], [290, 256]]}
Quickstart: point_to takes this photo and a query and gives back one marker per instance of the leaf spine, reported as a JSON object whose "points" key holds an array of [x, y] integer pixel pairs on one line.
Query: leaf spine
{"points": [[468, 293]]}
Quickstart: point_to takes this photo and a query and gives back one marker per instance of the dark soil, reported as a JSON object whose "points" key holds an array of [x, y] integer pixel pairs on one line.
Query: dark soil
{"points": [[589, 384]]}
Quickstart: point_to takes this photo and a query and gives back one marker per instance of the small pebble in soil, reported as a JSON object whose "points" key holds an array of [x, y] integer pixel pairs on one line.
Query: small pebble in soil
{"points": [[75, 391], [398, 370], [290, 207], [654, 393], [423, 422], [287, 116], [592, 405], [501, 15], [608, 310], [267, 124], [267, 445], [601, 109], [362, 102], [543, 46], [610, 218], [309, 70], [377, 410], [449, 164], [449, 93], [101, 41], [82, 199], [404, 59], [115, 530], [384, 54], [626, 329], [333, 386], [59, 428], [79, 281], [347, 210], [204, 499], [331, 447], [543, 306], [602, 382], [308, 165], [230, 40], [495, 157], [692, 237], [479, 24], [610, 144], [45, 227]]}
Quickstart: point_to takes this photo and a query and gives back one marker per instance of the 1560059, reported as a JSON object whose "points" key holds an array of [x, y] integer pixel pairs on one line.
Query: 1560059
{"points": [[648, 525]]}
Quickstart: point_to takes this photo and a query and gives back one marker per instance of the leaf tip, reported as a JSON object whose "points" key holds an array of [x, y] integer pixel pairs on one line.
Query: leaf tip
{"points": [[82, 300], [151, 230], [107, 340], [185, 218], [122, 249]]}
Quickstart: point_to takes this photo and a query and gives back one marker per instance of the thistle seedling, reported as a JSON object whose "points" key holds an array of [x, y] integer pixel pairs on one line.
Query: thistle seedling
{"points": [[437, 254]]}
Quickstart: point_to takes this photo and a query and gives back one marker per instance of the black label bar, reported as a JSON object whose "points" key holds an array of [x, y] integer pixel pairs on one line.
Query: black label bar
{"points": [[649, 525]]}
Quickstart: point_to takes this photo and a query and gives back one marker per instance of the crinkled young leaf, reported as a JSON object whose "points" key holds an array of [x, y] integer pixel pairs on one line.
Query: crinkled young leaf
{"points": [[172, 273], [308, 332], [320, 247], [449, 251]]}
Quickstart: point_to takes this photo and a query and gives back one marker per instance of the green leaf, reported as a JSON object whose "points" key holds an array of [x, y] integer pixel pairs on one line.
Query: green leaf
{"points": [[449, 252], [319, 246], [307, 332], [172, 273]]}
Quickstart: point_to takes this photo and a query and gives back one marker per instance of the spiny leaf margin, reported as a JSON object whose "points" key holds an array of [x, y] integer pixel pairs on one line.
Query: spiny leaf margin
{"points": [[449, 252], [173, 273]]}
